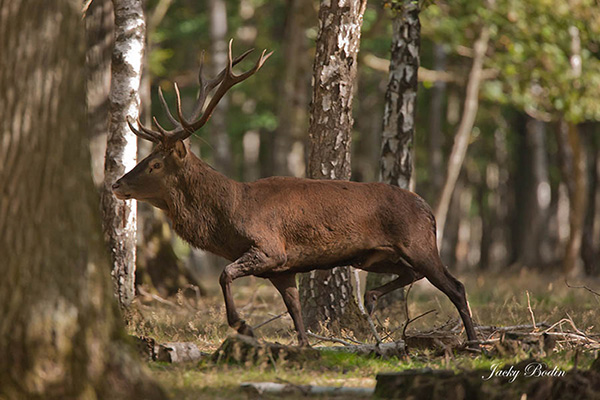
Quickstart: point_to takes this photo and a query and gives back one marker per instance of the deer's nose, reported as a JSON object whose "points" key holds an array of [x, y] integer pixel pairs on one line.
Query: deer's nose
{"points": [[116, 185]]}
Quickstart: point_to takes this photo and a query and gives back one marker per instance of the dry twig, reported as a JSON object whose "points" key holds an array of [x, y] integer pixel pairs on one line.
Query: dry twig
{"points": [[260, 325], [582, 287], [330, 339], [361, 306], [156, 297], [530, 310]]}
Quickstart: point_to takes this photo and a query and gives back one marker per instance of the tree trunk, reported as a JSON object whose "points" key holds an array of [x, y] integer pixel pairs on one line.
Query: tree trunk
{"points": [[535, 205], [573, 167], [495, 226], [99, 28], [400, 99], [590, 251], [327, 295], [218, 126], [436, 135], [399, 116], [461, 139], [120, 216], [61, 335], [293, 92]]}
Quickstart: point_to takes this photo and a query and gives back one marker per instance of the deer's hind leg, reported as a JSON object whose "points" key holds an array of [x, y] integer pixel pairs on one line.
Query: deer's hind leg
{"points": [[425, 260], [286, 285], [406, 277]]}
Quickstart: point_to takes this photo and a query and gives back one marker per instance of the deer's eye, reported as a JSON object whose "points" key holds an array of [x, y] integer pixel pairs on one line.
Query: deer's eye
{"points": [[156, 165]]}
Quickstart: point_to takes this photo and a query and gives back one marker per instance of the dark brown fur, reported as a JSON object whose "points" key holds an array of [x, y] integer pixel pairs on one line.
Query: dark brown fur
{"points": [[276, 227]]}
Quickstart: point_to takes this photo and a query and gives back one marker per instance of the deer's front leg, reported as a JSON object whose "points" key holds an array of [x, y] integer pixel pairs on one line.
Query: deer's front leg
{"points": [[254, 262]]}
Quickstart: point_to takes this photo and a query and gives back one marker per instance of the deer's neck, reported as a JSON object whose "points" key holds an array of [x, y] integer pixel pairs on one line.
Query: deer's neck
{"points": [[202, 206]]}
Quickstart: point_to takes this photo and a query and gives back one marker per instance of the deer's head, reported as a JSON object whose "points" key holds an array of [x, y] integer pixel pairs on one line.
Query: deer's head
{"points": [[151, 179]]}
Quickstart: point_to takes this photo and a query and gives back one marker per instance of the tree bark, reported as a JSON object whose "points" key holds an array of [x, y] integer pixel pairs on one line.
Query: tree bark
{"points": [[61, 335], [327, 295], [590, 250], [573, 168], [495, 225], [398, 131], [121, 149], [536, 199], [99, 28], [294, 89], [400, 98], [436, 135], [463, 133], [218, 126]]}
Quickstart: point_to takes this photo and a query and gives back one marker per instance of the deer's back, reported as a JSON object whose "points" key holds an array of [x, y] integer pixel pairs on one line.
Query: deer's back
{"points": [[326, 221]]}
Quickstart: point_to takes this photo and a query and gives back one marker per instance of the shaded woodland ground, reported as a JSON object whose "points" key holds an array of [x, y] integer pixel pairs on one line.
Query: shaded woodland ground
{"points": [[498, 300]]}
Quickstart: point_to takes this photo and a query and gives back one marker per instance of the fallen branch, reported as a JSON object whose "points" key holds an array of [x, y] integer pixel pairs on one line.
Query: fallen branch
{"points": [[177, 352], [582, 287], [562, 321], [153, 296], [510, 328], [329, 339], [390, 333], [261, 388], [361, 306]]}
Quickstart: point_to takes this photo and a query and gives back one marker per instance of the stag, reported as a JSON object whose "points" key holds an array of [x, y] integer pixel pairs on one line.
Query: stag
{"points": [[277, 227]]}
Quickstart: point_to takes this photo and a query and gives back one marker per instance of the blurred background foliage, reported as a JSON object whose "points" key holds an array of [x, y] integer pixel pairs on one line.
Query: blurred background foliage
{"points": [[513, 204]]}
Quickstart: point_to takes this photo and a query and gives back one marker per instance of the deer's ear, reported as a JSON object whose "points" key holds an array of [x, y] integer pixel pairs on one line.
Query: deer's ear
{"points": [[180, 149]]}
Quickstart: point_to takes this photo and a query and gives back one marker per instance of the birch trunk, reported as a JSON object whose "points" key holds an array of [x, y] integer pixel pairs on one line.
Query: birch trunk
{"points": [[461, 139], [399, 116], [326, 296], [61, 336], [120, 216]]}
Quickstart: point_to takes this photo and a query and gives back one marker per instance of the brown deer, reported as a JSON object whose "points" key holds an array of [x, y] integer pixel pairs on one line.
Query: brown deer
{"points": [[277, 227]]}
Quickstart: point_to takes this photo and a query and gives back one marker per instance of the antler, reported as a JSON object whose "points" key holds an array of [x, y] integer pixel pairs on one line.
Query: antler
{"points": [[184, 128]]}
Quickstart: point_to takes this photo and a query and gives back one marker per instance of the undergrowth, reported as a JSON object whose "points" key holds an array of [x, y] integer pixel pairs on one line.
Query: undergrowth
{"points": [[494, 300]]}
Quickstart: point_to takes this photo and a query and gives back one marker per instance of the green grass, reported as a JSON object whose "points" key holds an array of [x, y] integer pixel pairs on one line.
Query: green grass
{"points": [[495, 300]]}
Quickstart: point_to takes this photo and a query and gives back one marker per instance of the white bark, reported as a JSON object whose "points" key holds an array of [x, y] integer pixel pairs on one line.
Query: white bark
{"points": [[327, 295], [400, 99], [121, 150]]}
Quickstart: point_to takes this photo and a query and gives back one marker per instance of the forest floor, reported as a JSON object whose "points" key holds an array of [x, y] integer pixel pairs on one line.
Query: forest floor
{"points": [[496, 300]]}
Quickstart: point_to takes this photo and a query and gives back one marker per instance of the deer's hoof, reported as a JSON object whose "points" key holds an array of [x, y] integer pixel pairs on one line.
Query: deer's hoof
{"points": [[370, 301], [245, 329]]}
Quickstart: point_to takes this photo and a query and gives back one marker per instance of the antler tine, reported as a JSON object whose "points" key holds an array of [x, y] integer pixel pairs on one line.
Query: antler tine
{"points": [[228, 80], [205, 88], [163, 131], [184, 123], [157, 135], [230, 63], [144, 134], [165, 107]]}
